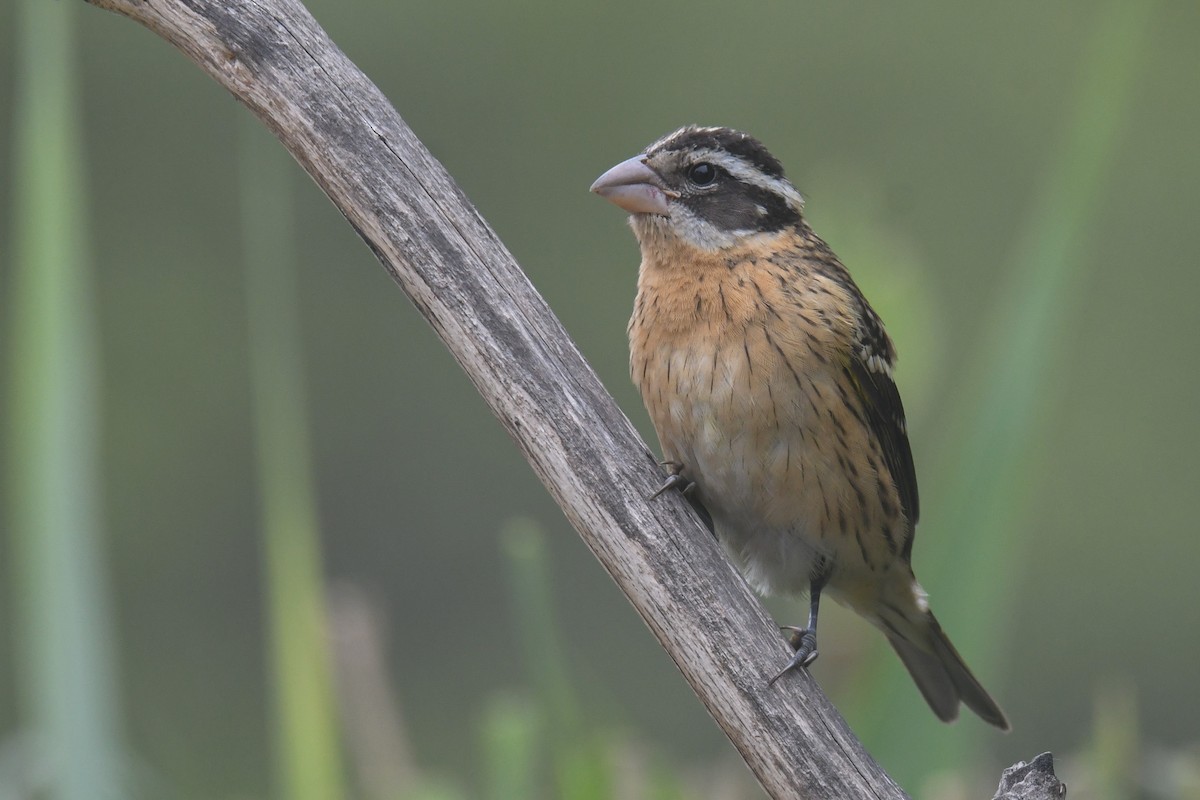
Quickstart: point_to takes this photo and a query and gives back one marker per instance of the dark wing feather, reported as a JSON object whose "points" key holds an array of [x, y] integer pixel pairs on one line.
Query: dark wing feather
{"points": [[871, 369]]}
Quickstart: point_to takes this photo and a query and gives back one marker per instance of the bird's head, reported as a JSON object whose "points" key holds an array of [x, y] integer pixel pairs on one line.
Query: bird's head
{"points": [[709, 187]]}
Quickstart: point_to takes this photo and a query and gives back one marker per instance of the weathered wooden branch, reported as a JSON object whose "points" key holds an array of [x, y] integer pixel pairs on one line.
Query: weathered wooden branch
{"points": [[276, 60], [1033, 781]]}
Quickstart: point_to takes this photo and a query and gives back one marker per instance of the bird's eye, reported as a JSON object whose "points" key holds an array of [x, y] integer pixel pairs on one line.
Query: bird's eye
{"points": [[702, 174]]}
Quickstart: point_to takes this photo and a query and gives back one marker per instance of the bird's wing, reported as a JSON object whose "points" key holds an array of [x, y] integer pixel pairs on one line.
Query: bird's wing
{"points": [[871, 369]]}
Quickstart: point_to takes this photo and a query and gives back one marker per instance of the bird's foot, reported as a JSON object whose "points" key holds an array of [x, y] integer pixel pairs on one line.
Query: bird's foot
{"points": [[804, 642], [675, 480]]}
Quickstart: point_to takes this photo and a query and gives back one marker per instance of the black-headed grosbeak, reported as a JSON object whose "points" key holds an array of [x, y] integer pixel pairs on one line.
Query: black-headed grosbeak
{"points": [[768, 378]]}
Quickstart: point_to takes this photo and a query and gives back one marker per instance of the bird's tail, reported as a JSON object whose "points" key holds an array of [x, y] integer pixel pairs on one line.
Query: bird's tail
{"points": [[939, 671]]}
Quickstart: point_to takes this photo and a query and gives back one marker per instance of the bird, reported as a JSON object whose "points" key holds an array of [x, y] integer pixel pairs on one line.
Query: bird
{"points": [[768, 378]]}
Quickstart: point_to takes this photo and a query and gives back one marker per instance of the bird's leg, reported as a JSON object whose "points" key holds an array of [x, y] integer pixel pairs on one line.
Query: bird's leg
{"points": [[675, 480], [804, 640]]}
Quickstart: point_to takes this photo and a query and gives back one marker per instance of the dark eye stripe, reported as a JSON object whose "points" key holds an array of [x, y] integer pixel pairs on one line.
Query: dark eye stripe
{"points": [[738, 206]]}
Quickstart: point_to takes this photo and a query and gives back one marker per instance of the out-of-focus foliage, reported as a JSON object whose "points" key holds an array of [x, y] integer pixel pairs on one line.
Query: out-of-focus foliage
{"points": [[306, 740], [921, 133], [59, 632]]}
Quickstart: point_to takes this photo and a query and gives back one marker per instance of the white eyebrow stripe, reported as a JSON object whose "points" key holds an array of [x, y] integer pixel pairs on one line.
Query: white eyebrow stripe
{"points": [[745, 172]]}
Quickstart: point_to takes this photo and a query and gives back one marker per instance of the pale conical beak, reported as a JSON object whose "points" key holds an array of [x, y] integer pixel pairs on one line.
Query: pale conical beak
{"points": [[634, 187]]}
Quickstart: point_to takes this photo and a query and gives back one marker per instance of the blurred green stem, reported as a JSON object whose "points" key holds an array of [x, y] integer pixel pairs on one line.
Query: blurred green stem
{"points": [[1114, 756], [67, 684], [308, 754], [979, 533], [985, 473], [510, 744], [525, 548], [581, 765]]}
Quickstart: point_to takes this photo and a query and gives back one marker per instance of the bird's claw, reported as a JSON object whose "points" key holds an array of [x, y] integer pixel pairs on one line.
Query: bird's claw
{"points": [[804, 642], [675, 480]]}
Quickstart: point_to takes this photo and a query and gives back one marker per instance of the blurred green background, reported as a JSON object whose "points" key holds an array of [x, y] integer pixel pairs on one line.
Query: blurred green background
{"points": [[1014, 186]]}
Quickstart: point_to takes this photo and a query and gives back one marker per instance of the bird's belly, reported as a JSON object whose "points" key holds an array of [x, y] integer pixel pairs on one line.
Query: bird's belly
{"points": [[749, 434]]}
